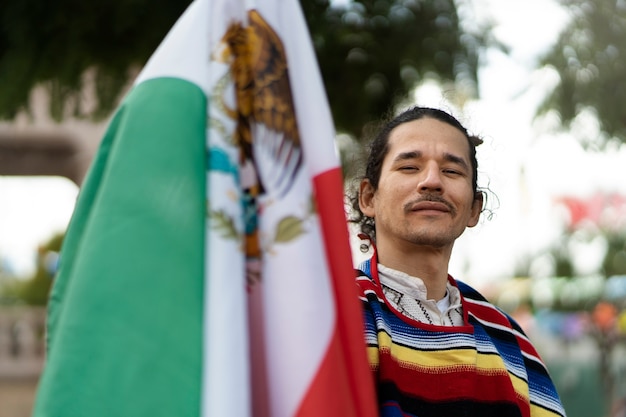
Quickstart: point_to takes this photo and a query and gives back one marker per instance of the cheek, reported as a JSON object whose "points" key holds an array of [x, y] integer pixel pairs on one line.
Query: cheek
{"points": [[384, 202], [392, 197], [396, 190]]}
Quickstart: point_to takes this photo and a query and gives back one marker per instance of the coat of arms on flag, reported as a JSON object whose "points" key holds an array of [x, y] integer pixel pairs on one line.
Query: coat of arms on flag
{"points": [[266, 123]]}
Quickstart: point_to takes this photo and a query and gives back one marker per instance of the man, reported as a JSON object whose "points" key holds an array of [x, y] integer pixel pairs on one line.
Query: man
{"points": [[435, 345]]}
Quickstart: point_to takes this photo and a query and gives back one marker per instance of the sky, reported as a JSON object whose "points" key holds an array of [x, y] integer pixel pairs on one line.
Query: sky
{"points": [[32, 210], [525, 164]]}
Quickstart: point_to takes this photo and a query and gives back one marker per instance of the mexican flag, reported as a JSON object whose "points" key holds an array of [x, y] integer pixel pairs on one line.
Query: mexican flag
{"points": [[206, 270]]}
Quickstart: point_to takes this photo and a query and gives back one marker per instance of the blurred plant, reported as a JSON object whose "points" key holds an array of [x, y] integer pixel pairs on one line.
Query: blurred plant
{"points": [[574, 300], [589, 60], [35, 290], [371, 53], [594, 227], [55, 43]]}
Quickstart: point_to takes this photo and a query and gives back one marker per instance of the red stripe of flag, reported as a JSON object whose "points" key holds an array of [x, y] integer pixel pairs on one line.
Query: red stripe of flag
{"points": [[347, 349]]}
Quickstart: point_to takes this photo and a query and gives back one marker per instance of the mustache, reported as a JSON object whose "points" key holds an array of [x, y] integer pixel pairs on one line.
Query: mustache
{"points": [[433, 198]]}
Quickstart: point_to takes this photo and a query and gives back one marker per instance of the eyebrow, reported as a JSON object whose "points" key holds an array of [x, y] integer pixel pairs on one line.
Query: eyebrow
{"points": [[404, 156]]}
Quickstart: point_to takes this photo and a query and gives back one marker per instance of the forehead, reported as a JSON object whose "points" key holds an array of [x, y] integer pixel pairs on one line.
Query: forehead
{"points": [[430, 137]]}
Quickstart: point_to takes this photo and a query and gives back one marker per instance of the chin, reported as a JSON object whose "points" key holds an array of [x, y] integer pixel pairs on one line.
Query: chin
{"points": [[434, 240]]}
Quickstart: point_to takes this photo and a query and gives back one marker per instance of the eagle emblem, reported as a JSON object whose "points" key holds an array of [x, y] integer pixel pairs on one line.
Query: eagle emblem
{"points": [[266, 127]]}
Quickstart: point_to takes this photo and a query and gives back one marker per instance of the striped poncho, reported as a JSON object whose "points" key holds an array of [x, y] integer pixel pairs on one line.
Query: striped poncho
{"points": [[487, 367]]}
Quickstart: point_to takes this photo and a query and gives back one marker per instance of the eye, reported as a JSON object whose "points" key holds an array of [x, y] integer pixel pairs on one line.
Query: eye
{"points": [[453, 172], [408, 168]]}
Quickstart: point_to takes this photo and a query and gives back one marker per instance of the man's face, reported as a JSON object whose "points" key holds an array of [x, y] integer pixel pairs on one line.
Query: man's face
{"points": [[425, 194]]}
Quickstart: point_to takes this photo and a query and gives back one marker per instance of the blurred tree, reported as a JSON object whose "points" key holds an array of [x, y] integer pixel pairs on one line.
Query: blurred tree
{"points": [[374, 52], [371, 52], [590, 59], [614, 262], [563, 266], [55, 42], [35, 290]]}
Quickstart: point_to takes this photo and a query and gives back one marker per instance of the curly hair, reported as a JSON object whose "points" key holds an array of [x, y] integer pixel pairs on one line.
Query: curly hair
{"points": [[379, 148]]}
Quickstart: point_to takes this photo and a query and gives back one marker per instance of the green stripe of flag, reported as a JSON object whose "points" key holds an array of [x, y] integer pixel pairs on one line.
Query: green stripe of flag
{"points": [[125, 326]]}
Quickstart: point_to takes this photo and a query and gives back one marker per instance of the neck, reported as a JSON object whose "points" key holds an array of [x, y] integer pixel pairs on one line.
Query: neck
{"points": [[428, 263]]}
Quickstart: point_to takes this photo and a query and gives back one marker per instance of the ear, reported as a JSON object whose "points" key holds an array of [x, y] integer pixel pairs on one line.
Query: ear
{"points": [[477, 208], [366, 198]]}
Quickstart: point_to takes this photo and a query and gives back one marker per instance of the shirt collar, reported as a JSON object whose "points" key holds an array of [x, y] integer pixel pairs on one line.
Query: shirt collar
{"points": [[414, 287]]}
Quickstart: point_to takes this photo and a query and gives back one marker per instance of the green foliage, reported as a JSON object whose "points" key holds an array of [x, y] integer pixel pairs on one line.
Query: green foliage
{"points": [[55, 42], [590, 60], [35, 290], [563, 266], [614, 262], [371, 53]]}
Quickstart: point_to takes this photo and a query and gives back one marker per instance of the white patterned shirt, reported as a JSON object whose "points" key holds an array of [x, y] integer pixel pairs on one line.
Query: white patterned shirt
{"points": [[407, 294]]}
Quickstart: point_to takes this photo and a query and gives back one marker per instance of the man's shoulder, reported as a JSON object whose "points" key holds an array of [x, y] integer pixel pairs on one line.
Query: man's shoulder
{"points": [[484, 310], [470, 292]]}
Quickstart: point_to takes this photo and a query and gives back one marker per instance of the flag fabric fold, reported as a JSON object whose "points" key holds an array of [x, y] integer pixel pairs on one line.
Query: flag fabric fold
{"points": [[206, 270]]}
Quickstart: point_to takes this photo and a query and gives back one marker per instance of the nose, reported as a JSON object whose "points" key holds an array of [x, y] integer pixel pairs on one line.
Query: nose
{"points": [[430, 179]]}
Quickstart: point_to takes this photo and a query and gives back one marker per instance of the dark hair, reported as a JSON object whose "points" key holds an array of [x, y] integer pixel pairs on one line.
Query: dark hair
{"points": [[379, 148]]}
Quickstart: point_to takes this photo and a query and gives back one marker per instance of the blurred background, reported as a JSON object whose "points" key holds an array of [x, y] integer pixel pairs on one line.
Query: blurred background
{"points": [[542, 81]]}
